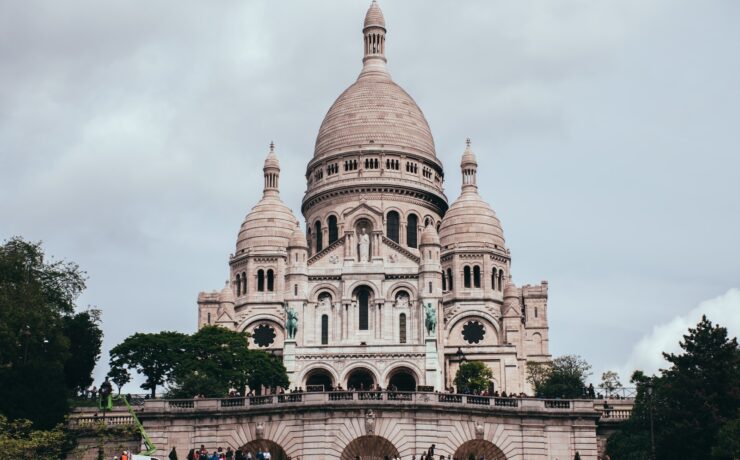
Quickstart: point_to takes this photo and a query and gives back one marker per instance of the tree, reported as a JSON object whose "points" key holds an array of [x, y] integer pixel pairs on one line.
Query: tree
{"points": [[728, 440], [119, 376], [86, 338], [18, 440], [218, 359], [472, 377], [37, 303], [153, 355], [609, 382], [565, 377], [695, 402]]}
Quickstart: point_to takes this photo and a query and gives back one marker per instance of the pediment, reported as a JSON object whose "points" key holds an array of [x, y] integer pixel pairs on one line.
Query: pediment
{"points": [[363, 207], [395, 253], [225, 318], [331, 256]]}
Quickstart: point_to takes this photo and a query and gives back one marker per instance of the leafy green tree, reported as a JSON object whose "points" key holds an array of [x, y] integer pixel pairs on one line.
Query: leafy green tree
{"points": [[37, 304], [18, 440], [119, 376], [694, 402], [86, 338], [153, 355], [266, 370], [728, 440], [609, 382], [217, 359], [565, 377], [473, 376]]}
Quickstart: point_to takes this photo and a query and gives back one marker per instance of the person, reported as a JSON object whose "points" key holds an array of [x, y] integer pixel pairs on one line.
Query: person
{"points": [[214, 456], [173, 454], [191, 455], [124, 455], [229, 453]]}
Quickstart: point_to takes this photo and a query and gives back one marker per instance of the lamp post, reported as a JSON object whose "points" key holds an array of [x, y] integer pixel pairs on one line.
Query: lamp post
{"points": [[652, 431]]}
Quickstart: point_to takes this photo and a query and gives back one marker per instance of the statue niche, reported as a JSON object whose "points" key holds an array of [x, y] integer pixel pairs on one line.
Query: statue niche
{"points": [[364, 231]]}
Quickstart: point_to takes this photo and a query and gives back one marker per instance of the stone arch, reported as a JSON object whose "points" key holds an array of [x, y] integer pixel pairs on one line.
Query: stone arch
{"points": [[537, 343], [352, 289], [360, 366], [454, 334], [403, 368], [376, 220], [402, 286], [317, 289], [319, 376], [265, 445], [318, 368], [259, 320], [479, 448], [369, 447]]}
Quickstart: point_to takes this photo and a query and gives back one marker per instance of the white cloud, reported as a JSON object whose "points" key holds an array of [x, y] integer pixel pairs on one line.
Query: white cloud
{"points": [[646, 354]]}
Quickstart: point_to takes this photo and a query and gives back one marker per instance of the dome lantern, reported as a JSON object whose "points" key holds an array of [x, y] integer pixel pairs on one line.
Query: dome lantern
{"points": [[272, 172]]}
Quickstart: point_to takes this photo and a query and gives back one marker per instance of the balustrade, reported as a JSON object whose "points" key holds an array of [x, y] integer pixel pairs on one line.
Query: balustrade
{"points": [[341, 396], [506, 402], [478, 400], [260, 400], [556, 404]]}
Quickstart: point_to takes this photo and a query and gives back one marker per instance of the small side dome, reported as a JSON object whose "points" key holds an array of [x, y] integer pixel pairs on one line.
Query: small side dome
{"points": [[510, 289], [298, 239], [227, 295], [374, 16], [429, 236]]}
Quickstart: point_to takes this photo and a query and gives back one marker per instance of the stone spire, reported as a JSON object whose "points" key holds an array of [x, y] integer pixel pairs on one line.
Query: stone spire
{"points": [[272, 173], [469, 168], [374, 41]]}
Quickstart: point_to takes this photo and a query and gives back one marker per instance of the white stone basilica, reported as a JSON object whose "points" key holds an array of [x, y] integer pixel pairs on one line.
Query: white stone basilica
{"points": [[389, 284]]}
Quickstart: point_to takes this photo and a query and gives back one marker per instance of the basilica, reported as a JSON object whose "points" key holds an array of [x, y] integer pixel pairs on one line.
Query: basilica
{"points": [[389, 284]]}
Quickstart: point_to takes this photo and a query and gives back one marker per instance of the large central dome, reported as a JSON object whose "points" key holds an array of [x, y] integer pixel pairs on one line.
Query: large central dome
{"points": [[374, 111]]}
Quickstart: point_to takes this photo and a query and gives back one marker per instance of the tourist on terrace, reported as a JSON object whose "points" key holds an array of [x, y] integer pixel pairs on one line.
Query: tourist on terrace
{"points": [[173, 454]]}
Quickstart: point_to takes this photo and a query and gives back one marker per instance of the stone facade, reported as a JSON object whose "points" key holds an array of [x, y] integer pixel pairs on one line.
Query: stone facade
{"points": [[383, 257], [324, 426]]}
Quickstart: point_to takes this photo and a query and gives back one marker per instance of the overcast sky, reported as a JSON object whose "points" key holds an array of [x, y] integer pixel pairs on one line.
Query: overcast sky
{"points": [[132, 136]]}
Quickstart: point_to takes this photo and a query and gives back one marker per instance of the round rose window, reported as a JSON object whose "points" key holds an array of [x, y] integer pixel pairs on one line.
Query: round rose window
{"points": [[263, 335], [473, 332]]}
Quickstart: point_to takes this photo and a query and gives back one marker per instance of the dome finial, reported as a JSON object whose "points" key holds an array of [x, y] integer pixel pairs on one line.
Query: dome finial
{"points": [[469, 167], [272, 172], [374, 42]]}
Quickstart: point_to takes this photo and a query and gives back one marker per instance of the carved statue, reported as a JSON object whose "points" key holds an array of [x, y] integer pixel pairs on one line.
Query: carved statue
{"points": [[431, 319], [402, 301], [324, 300], [260, 430], [370, 422], [291, 321], [364, 244], [479, 430]]}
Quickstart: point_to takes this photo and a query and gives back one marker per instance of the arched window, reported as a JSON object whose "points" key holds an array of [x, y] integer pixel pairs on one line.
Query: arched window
{"points": [[270, 280], [393, 225], [209, 318], [444, 282], [244, 283], [466, 276], [363, 300], [476, 276], [493, 278], [402, 328], [500, 280], [324, 329], [333, 229], [295, 289], [238, 285], [449, 279], [317, 234], [261, 280], [412, 230]]}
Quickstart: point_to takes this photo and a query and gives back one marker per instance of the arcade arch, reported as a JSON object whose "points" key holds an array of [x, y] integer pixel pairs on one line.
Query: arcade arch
{"points": [[403, 378], [369, 447], [265, 445], [320, 376], [479, 448]]}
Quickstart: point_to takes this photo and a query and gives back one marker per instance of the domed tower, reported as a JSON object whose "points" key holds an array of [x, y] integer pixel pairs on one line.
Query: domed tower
{"points": [[374, 149], [260, 264]]}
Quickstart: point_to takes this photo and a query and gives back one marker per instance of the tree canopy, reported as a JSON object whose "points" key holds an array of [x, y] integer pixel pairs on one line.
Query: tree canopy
{"points": [[564, 377], [47, 351], [208, 362], [695, 402], [152, 355], [472, 377]]}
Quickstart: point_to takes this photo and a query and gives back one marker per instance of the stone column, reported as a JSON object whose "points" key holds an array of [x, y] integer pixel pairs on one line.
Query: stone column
{"points": [[289, 361]]}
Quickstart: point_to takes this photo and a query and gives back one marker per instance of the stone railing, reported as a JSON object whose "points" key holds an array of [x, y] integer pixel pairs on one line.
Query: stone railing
{"points": [[299, 401], [90, 421], [614, 410]]}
